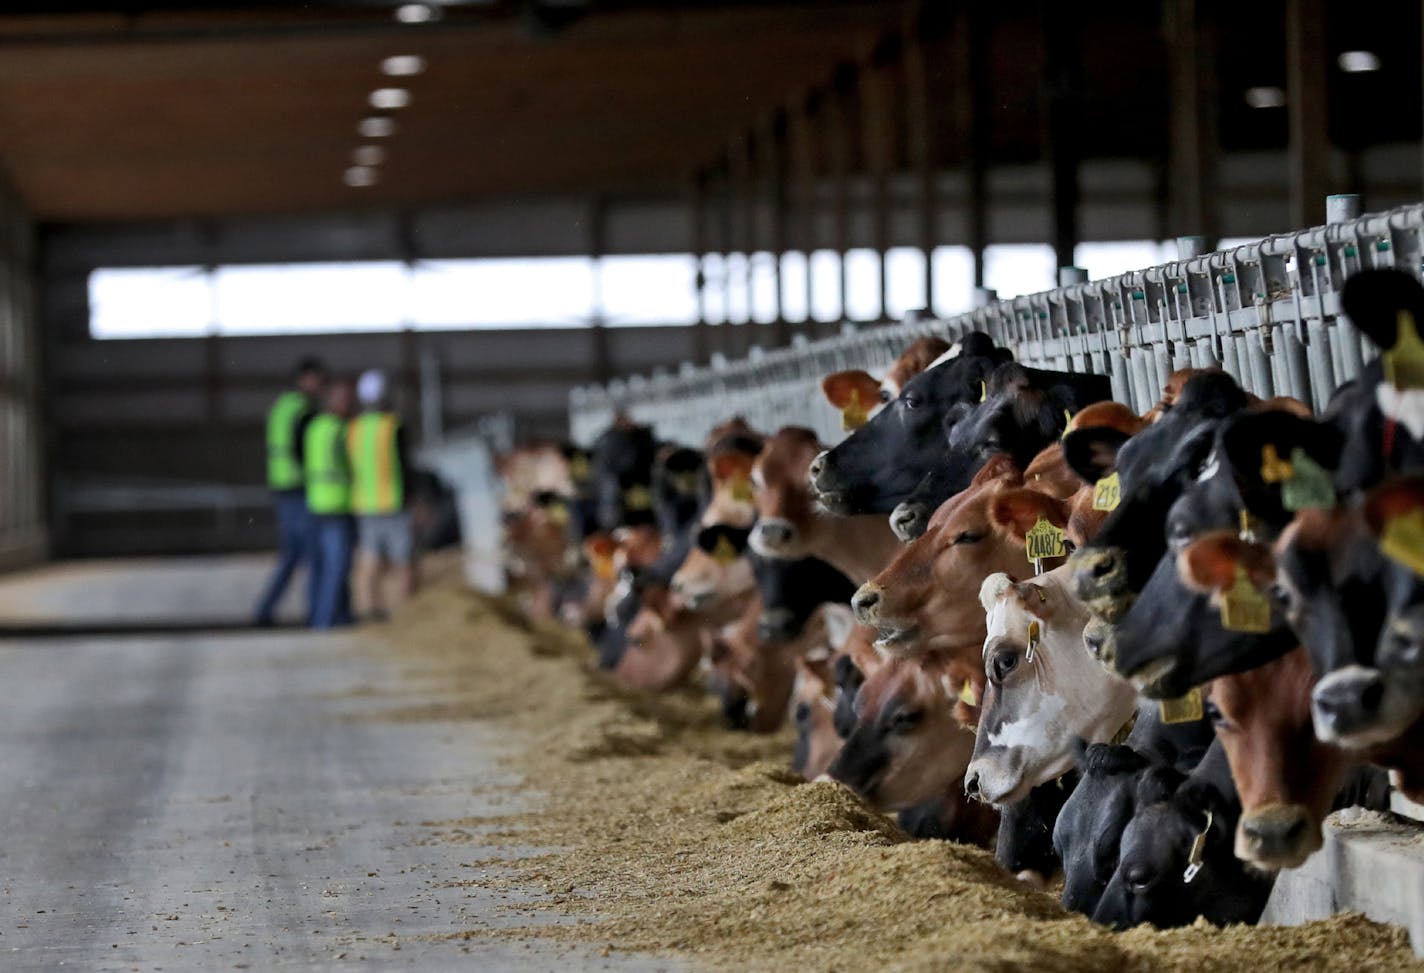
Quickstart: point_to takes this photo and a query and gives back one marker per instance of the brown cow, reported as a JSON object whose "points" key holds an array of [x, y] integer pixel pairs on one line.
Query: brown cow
{"points": [[665, 641], [1286, 776], [789, 524], [927, 598], [910, 746]]}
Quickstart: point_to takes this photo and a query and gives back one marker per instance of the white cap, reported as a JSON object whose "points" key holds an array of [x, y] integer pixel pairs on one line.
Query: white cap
{"points": [[371, 387]]}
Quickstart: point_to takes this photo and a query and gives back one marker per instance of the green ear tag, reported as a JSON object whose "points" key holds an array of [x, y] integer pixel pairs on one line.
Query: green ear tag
{"points": [[1067, 424], [1311, 488], [1243, 608], [1404, 363], [983, 390], [1107, 493], [723, 552], [1044, 540], [1403, 539], [1183, 709]]}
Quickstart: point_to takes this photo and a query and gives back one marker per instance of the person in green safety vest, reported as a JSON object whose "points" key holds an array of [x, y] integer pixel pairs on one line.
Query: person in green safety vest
{"points": [[379, 480], [327, 471], [286, 426]]}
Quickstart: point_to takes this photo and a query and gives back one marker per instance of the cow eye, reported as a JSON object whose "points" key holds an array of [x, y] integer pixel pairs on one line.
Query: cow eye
{"points": [[1281, 595], [905, 720], [1214, 714], [1179, 535], [1004, 663], [968, 537], [803, 714], [990, 446], [885, 395], [911, 401]]}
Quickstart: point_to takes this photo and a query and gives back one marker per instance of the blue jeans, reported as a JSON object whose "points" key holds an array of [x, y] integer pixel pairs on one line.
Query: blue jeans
{"points": [[294, 543], [331, 564]]}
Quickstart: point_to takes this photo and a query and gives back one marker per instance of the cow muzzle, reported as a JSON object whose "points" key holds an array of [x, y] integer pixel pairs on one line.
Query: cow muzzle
{"points": [[909, 520], [866, 603], [1100, 578], [774, 537], [1359, 707], [777, 625], [988, 780], [1277, 836], [1401, 644], [1098, 639], [827, 492]]}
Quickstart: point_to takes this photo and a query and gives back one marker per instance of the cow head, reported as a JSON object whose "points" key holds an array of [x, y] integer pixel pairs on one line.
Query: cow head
{"points": [[1088, 829], [908, 745], [925, 598], [621, 471], [715, 569], [784, 505], [1176, 860], [1335, 583], [882, 462], [791, 592], [813, 708], [1153, 467], [729, 462], [1284, 775], [1043, 689]]}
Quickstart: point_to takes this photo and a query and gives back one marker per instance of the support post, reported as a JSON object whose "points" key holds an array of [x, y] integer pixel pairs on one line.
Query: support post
{"points": [[1063, 72], [1193, 125], [1305, 108]]}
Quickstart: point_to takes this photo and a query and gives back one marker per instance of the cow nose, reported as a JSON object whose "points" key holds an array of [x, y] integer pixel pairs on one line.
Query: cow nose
{"points": [[1402, 644], [1097, 638], [971, 786], [818, 466], [1345, 700], [775, 532], [866, 603], [1277, 834], [908, 521]]}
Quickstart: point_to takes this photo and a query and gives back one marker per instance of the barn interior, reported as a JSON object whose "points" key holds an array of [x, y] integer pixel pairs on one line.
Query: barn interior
{"points": [[502, 204]]}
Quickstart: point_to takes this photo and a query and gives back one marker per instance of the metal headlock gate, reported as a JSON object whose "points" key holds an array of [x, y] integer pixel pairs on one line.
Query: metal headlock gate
{"points": [[1267, 312]]}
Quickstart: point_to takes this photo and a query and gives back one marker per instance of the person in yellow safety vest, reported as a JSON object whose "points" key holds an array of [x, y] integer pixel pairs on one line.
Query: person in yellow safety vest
{"points": [[379, 477], [327, 469], [286, 426]]}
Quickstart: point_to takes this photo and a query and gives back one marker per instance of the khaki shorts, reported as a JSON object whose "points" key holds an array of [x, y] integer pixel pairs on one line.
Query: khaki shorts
{"points": [[386, 536]]}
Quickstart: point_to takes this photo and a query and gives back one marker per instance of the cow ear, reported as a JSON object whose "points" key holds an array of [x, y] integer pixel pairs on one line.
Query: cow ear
{"points": [[1208, 564], [1374, 298], [1018, 510], [600, 545], [977, 343], [1010, 375], [839, 620], [1157, 784], [1397, 498], [1091, 452], [731, 466], [993, 589], [852, 389], [999, 467]]}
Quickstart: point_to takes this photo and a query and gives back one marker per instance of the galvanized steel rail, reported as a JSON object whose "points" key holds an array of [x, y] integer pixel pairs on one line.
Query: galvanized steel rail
{"points": [[1268, 312]]}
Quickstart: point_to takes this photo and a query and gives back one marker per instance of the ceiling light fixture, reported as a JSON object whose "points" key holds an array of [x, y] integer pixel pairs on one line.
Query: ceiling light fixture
{"points": [[417, 13], [359, 176], [1266, 96], [376, 127], [368, 155], [386, 99], [1358, 62], [405, 65]]}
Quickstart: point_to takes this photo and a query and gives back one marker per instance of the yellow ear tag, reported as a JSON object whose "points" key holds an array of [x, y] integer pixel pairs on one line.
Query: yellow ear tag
{"points": [[1403, 539], [983, 390], [603, 567], [685, 483], [558, 513], [578, 468], [742, 489], [638, 497], [1248, 528], [854, 415], [1312, 487], [1404, 363], [1273, 468], [1243, 608], [1183, 709], [723, 552], [1107, 493], [1044, 540], [1067, 424], [1033, 638], [966, 694]]}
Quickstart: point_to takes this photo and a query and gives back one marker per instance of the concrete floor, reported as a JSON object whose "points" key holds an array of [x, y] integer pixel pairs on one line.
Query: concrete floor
{"points": [[219, 802]]}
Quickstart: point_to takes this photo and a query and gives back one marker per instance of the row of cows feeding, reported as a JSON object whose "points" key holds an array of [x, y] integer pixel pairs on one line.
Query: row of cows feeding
{"points": [[1152, 652]]}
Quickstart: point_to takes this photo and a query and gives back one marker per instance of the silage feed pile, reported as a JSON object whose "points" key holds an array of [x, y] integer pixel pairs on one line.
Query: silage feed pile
{"points": [[675, 836]]}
